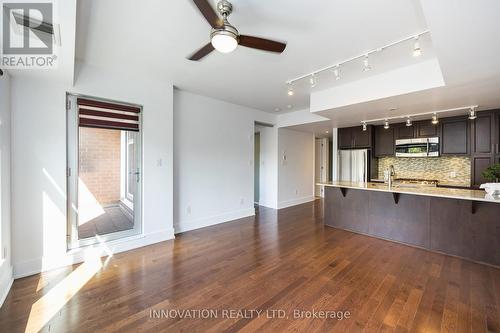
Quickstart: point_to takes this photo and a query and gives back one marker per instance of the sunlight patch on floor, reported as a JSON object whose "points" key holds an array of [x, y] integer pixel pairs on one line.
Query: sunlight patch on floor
{"points": [[51, 303]]}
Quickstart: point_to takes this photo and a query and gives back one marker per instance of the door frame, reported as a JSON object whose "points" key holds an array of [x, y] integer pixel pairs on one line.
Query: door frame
{"points": [[72, 167]]}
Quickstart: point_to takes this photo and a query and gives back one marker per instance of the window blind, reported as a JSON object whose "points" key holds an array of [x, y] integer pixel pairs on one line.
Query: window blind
{"points": [[97, 114]]}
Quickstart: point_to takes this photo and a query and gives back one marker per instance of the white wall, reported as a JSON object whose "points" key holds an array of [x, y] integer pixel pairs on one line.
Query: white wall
{"points": [[213, 160], [298, 117], [296, 172], [5, 222], [39, 164], [269, 167]]}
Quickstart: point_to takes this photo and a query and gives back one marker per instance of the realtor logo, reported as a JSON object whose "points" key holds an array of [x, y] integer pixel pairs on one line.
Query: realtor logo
{"points": [[27, 36]]}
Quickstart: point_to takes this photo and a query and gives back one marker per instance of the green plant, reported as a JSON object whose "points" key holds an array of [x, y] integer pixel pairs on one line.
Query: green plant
{"points": [[492, 173]]}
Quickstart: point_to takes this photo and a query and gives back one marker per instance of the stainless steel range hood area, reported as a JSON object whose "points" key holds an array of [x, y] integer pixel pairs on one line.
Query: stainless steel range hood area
{"points": [[420, 147]]}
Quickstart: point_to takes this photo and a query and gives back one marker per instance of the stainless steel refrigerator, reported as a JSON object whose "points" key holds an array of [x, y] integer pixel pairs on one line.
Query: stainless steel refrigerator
{"points": [[354, 165]]}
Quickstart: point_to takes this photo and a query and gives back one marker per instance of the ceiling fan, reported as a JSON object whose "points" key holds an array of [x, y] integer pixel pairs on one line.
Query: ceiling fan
{"points": [[224, 37]]}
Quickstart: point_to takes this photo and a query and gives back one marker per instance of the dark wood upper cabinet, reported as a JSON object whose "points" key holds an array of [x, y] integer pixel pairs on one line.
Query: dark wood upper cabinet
{"points": [[345, 138], [404, 132], [355, 137], [384, 141], [425, 129], [454, 136], [362, 139], [497, 127], [483, 133]]}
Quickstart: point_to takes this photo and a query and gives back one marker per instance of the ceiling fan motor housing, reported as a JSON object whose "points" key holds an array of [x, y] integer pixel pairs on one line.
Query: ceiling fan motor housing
{"points": [[226, 29]]}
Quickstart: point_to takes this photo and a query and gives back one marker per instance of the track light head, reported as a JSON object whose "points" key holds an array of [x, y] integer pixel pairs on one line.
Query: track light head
{"points": [[472, 114], [364, 126], [312, 80], [435, 119], [386, 124], [290, 90], [366, 64], [336, 72], [408, 122], [417, 51]]}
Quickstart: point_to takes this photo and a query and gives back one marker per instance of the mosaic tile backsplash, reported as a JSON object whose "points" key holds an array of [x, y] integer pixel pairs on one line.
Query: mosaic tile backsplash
{"points": [[453, 170]]}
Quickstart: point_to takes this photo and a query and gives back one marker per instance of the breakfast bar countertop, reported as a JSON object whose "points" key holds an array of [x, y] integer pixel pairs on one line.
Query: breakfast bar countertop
{"points": [[440, 192]]}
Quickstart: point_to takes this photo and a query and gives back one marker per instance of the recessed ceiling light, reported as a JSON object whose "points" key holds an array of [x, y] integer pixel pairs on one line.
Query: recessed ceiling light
{"points": [[289, 106], [277, 109], [326, 132]]}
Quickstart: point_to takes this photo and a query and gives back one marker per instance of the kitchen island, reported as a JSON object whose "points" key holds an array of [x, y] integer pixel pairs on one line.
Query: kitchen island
{"points": [[460, 222]]}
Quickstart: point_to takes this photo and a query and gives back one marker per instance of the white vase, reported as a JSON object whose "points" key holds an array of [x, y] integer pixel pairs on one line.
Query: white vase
{"points": [[491, 188]]}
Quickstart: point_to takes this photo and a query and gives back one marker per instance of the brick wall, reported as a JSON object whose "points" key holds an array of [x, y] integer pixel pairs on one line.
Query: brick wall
{"points": [[100, 163]]}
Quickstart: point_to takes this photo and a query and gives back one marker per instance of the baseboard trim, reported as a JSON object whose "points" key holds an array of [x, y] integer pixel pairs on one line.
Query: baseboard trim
{"points": [[294, 202], [75, 256], [6, 280], [183, 226]]}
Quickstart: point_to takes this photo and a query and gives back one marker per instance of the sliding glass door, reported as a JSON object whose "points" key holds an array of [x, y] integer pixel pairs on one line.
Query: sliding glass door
{"points": [[104, 170]]}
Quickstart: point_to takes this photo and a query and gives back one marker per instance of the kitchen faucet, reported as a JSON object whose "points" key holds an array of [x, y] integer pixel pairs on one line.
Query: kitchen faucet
{"points": [[391, 173]]}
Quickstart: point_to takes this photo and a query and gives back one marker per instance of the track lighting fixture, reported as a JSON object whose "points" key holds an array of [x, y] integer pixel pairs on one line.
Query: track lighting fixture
{"points": [[364, 56], [364, 126], [312, 81], [336, 72], [408, 121], [417, 51], [367, 66], [290, 90], [435, 119], [472, 114]]}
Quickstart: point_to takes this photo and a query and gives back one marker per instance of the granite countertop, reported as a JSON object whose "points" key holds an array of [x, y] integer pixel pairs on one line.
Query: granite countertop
{"points": [[451, 193]]}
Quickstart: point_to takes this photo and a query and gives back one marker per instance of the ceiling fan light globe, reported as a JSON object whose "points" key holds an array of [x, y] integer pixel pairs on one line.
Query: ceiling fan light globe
{"points": [[224, 43]]}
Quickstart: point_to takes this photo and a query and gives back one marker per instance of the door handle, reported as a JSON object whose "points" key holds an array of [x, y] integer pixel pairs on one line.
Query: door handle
{"points": [[137, 174]]}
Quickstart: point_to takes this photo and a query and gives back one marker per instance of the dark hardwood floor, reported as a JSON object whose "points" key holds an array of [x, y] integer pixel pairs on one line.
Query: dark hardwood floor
{"points": [[285, 260]]}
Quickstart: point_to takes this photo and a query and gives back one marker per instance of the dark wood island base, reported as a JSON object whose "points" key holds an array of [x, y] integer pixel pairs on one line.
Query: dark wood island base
{"points": [[465, 228]]}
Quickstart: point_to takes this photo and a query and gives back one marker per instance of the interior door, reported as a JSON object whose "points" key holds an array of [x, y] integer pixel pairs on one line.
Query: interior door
{"points": [[104, 174]]}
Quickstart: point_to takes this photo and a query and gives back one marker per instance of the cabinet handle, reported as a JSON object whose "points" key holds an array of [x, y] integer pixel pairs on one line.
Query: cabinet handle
{"points": [[498, 152]]}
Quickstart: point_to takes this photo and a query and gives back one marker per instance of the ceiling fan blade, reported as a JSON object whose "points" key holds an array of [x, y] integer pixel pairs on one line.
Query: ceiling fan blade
{"points": [[208, 12], [261, 44], [205, 50]]}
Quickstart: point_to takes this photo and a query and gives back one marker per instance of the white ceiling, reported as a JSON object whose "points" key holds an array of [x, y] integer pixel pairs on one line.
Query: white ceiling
{"points": [[154, 37]]}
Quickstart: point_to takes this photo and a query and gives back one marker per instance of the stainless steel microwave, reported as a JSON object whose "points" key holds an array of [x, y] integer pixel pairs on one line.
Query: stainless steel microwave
{"points": [[421, 147]]}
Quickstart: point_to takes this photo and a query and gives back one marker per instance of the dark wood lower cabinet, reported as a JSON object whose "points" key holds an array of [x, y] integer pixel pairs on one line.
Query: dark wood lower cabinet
{"points": [[469, 229]]}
